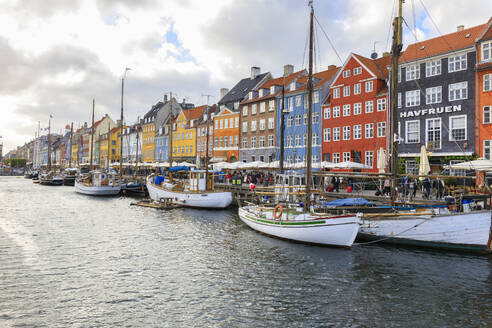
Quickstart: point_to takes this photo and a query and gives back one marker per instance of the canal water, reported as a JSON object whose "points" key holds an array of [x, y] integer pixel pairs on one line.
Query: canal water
{"points": [[68, 260]]}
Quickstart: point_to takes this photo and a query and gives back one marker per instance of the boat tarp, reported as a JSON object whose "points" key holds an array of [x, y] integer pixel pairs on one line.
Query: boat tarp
{"points": [[348, 202], [179, 168]]}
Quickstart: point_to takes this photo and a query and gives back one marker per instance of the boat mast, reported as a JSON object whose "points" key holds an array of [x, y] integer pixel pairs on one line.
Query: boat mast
{"points": [[70, 155], [206, 148], [282, 128], [137, 127], [92, 133], [395, 55], [170, 130], [109, 137], [309, 87], [121, 125], [49, 146]]}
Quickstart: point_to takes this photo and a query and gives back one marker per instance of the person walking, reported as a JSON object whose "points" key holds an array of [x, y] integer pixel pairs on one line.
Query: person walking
{"points": [[427, 187]]}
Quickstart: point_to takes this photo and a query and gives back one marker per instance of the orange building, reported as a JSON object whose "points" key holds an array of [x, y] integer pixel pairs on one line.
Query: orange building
{"points": [[484, 92], [226, 135]]}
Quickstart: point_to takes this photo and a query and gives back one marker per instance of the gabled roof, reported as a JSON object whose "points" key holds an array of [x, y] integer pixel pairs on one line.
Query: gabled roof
{"points": [[212, 110], [153, 111], [194, 113], [378, 66], [318, 79], [241, 89], [486, 32], [442, 44]]}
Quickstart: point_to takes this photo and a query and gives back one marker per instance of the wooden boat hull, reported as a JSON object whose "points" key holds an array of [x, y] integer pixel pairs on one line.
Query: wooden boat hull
{"points": [[337, 231], [199, 200], [461, 232], [96, 190], [69, 181]]}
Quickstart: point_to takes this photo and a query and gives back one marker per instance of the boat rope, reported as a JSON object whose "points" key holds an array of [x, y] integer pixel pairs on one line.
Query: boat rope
{"points": [[396, 235]]}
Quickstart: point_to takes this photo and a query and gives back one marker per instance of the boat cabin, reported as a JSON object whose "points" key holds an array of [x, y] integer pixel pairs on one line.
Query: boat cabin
{"points": [[198, 181]]}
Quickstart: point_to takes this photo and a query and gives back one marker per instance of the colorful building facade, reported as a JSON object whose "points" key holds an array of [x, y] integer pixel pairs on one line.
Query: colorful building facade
{"points": [[226, 135]]}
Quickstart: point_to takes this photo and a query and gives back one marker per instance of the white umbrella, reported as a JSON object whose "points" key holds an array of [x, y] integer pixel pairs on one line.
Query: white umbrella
{"points": [[274, 165], [424, 167], [381, 160], [480, 164], [349, 165]]}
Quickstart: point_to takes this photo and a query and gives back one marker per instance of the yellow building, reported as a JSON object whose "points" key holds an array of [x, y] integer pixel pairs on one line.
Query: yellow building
{"points": [[114, 149], [103, 149], [148, 133], [184, 134]]}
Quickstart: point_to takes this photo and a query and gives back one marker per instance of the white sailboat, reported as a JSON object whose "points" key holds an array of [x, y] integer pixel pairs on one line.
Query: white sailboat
{"points": [[303, 224], [465, 231], [98, 183]]}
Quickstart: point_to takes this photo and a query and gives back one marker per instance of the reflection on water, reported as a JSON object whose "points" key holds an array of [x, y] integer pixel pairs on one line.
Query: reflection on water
{"points": [[72, 260]]}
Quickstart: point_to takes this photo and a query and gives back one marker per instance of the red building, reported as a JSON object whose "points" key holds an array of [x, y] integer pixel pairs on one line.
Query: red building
{"points": [[355, 118]]}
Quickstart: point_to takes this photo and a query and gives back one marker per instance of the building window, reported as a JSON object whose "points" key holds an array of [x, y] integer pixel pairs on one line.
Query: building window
{"points": [[357, 70], [369, 86], [381, 104], [297, 140], [236, 139], [270, 140], [457, 125], [458, 91], [369, 158], [336, 134], [412, 130], [315, 117], [298, 101], [358, 131], [357, 108], [271, 105], [253, 109], [433, 133], [487, 149], [346, 156], [346, 73], [316, 97], [231, 122], [262, 141], [336, 157], [346, 110], [221, 124], [326, 134], [326, 113], [216, 124], [346, 133], [226, 141], [369, 130], [433, 95], [381, 129], [245, 127], [336, 93], [399, 99], [315, 158], [226, 123], [346, 91], [262, 125], [290, 120], [433, 68], [291, 103], [298, 159], [486, 51], [298, 120], [357, 89], [412, 72], [305, 120], [253, 126], [487, 82], [271, 123], [253, 142], [457, 63], [289, 141], [336, 111], [487, 114], [236, 122], [412, 98], [369, 106], [316, 139], [262, 107], [220, 141], [411, 167]]}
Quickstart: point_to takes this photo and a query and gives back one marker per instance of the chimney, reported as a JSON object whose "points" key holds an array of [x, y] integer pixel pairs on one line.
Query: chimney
{"points": [[255, 71], [386, 54], [332, 66], [118, 122], [85, 124], [165, 98], [223, 92], [460, 28], [184, 101], [288, 70]]}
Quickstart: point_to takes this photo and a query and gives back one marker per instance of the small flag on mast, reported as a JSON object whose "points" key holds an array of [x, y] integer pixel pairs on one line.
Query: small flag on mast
{"points": [[128, 69], [51, 115]]}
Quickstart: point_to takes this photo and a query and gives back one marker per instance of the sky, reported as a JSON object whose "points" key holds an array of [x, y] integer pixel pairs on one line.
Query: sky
{"points": [[58, 55]]}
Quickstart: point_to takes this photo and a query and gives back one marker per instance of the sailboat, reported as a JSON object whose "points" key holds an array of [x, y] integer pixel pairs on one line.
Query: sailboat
{"points": [[426, 227], [302, 224], [97, 182], [199, 190]]}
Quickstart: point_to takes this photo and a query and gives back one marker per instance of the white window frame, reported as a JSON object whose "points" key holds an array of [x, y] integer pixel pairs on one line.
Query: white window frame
{"points": [[326, 135], [451, 127], [486, 51], [326, 113], [487, 82], [336, 93], [357, 70], [457, 63], [487, 148], [253, 109], [357, 108], [253, 126], [369, 130], [458, 91], [271, 123], [262, 107], [381, 126], [336, 111], [271, 140], [346, 110], [427, 121], [346, 132], [412, 72], [346, 156], [271, 105], [357, 89], [262, 124], [298, 100], [412, 98], [245, 110], [290, 121], [433, 68], [369, 86], [487, 114], [433, 95], [367, 108], [245, 127], [369, 158], [336, 134], [407, 132], [336, 158], [357, 131], [346, 73], [346, 91], [381, 104]]}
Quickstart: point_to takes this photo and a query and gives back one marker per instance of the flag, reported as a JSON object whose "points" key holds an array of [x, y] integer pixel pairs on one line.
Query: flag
{"points": [[128, 69], [51, 115]]}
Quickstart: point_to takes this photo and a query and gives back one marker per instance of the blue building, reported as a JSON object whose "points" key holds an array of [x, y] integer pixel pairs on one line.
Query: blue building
{"points": [[296, 104], [162, 143]]}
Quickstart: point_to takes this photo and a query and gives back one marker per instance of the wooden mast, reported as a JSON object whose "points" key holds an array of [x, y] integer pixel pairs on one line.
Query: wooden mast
{"points": [[395, 55], [121, 126], [309, 87], [49, 145], [171, 136], [92, 134], [109, 137], [71, 138], [282, 130], [137, 127], [206, 150]]}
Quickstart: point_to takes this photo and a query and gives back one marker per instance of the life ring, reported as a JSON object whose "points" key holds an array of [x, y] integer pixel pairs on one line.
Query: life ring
{"points": [[277, 212]]}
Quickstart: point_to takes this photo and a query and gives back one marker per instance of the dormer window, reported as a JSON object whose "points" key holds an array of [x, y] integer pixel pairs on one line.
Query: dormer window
{"points": [[260, 93], [251, 95], [487, 51], [292, 86], [272, 89], [346, 73]]}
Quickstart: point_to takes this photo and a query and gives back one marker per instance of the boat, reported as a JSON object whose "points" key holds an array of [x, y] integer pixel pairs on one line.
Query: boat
{"points": [[193, 193], [301, 223], [69, 175], [134, 188], [98, 183], [51, 178]]}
